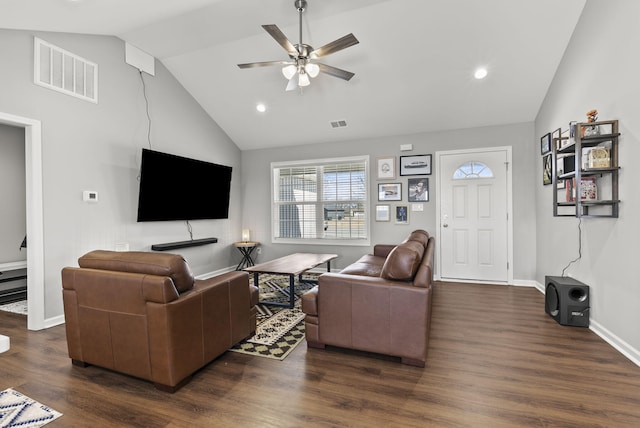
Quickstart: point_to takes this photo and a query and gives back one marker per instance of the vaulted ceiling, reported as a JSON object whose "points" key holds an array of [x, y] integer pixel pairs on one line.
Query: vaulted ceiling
{"points": [[413, 66]]}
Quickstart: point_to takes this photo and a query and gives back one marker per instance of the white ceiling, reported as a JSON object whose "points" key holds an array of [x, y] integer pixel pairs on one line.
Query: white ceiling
{"points": [[413, 66]]}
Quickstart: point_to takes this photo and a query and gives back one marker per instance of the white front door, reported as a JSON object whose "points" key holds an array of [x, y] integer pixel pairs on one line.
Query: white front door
{"points": [[474, 215]]}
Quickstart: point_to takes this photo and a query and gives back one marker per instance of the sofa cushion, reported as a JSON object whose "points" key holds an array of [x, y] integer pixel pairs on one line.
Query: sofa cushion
{"points": [[418, 235], [403, 261], [171, 265], [367, 265]]}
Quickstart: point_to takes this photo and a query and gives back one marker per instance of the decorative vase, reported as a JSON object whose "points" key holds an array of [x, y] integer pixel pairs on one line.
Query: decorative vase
{"points": [[591, 130]]}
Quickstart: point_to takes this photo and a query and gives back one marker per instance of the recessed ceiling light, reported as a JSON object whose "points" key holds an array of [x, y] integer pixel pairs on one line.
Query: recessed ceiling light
{"points": [[480, 73], [261, 107]]}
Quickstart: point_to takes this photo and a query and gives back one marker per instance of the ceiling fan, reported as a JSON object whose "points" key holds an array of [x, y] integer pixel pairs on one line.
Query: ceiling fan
{"points": [[302, 63]]}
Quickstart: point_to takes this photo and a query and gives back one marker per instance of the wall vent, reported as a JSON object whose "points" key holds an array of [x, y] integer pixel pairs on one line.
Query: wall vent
{"points": [[339, 124], [62, 71]]}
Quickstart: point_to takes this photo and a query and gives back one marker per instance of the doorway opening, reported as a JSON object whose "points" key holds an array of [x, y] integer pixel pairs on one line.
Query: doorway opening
{"points": [[35, 218]]}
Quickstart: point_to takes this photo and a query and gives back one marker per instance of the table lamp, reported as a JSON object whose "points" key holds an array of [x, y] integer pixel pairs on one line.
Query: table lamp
{"points": [[246, 235]]}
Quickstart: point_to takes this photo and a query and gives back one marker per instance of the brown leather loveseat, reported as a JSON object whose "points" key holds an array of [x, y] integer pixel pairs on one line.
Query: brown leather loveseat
{"points": [[144, 314], [380, 304]]}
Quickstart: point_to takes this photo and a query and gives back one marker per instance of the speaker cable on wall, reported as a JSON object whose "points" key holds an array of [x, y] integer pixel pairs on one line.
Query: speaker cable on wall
{"points": [[579, 247]]}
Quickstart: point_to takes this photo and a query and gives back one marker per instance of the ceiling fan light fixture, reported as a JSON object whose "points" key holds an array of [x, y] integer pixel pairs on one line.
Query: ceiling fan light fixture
{"points": [[312, 69], [303, 79], [289, 71]]}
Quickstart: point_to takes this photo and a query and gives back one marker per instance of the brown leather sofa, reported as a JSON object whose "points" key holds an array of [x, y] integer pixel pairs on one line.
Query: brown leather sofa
{"points": [[144, 314], [380, 304]]}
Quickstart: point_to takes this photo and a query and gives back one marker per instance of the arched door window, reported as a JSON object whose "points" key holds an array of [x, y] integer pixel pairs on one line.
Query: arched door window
{"points": [[472, 169]]}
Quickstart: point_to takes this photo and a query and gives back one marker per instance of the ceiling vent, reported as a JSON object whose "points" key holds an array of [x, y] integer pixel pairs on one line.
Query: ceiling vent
{"points": [[62, 71], [339, 124]]}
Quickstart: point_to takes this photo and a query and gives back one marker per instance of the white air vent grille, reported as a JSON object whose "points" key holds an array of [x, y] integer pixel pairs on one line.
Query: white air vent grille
{"points": [[62, 71], [338, 123]]}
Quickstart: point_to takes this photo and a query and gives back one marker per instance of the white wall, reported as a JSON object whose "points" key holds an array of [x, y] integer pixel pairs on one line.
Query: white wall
{"points": [[256, 193], [599, 70], [88, 146], [13, 216]]}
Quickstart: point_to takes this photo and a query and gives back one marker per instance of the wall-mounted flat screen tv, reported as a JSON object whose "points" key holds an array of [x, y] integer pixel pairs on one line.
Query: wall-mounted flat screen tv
{"points": [[179, 188]]}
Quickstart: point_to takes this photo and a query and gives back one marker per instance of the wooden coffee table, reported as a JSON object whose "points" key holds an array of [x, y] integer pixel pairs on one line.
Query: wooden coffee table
{"points": [[292, 265]]}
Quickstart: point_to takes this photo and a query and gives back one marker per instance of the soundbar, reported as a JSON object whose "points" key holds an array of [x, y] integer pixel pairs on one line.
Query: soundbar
{"points": [[183, 244]]}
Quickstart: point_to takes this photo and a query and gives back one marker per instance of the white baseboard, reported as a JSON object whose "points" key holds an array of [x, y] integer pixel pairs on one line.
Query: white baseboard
{"points": [[623, 347], [211, 274], [52, 322], [4, 344]]}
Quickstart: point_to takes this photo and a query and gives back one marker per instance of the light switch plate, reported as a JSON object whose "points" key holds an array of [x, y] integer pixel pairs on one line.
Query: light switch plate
{"points": [[417, 207]]}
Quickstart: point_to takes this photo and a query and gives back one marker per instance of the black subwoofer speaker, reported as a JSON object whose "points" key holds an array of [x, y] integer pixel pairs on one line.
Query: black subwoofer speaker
{"points": [[566, 300]]}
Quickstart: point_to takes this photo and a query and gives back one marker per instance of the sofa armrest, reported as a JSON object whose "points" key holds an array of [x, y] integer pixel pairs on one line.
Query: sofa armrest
{"points": [[382, 250], [310, 302]]}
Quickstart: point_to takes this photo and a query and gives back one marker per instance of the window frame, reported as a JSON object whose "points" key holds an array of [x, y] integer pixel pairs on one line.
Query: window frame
{"points": [[319, 163]]}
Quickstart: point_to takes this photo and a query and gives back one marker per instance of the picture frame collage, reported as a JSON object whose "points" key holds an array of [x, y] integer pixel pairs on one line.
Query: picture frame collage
{"points": [[549, 142], [415, 168]]}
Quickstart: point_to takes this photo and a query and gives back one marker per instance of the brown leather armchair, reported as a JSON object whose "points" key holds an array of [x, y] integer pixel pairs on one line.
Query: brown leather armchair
{"points": [[144, 314], [381, 303]]}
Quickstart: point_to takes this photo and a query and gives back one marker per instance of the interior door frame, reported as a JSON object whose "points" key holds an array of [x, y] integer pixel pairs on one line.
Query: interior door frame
{"points": [[439, 154], [35, 217]]}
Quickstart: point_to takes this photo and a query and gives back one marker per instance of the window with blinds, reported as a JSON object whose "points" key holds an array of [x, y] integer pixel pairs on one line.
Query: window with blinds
{"points": [[322, 200]]}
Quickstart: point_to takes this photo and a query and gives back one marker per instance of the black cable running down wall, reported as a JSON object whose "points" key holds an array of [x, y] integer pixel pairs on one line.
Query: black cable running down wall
{"points": [[579, 247], [144, 93]]}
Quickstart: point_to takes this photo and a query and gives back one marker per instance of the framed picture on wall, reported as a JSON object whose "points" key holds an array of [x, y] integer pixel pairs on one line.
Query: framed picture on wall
{"points": [[383, 212], [546, 169], [556, 138], [386, 168], [390, 192], [545, 144], [402, 214], [418, 189], [415, 165]]}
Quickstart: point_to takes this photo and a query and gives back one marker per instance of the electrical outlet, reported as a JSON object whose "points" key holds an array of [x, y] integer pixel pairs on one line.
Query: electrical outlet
{"points": [[259, 250]]}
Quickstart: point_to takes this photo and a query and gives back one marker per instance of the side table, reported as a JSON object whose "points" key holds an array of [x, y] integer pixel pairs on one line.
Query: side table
{"points": [[246, 248]]}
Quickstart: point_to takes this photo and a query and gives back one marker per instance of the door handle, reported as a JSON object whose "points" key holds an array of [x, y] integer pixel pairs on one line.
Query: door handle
{"points": [[445, 225]]}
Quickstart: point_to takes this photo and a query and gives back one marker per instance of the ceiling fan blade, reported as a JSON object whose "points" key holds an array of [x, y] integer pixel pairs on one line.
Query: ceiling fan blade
{"points": [[335, 46], [282, 40], [336, 72], [264, 64]]}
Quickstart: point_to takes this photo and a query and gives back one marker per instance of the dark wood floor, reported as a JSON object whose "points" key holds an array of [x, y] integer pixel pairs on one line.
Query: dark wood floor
{"points": [[495, 360]]}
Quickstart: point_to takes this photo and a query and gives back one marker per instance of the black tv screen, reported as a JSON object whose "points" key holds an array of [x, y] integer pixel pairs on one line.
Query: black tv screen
{"points": [[179, 188]]}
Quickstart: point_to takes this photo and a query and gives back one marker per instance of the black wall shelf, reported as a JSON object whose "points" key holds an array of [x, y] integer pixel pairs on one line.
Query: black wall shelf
{"points": [[183, 244]]}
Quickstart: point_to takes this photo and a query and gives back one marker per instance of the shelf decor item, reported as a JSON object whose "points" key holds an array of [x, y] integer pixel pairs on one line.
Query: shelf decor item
{"points": [[591, 130], [588, 189], [599, 157]]}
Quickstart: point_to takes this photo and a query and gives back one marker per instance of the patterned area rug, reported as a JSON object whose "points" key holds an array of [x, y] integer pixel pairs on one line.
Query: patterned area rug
{"points": [[15, 307], [18, 410], [279, 330]]}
